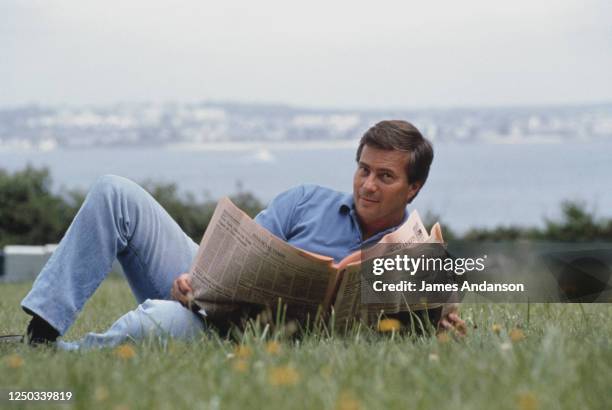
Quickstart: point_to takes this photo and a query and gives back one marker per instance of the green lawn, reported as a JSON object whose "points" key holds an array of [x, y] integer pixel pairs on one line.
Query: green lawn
{"points": [[563, 361]]}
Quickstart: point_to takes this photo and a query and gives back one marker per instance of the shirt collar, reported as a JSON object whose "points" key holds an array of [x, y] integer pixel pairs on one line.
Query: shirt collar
{"points": [[347, 206]]}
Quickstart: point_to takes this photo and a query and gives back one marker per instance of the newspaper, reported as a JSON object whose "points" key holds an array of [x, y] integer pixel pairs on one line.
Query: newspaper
{"points": [[240, 263], [348, 304]]}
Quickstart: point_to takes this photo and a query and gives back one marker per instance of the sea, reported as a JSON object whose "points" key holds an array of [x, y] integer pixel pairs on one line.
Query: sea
{"points": [[472, 185]]}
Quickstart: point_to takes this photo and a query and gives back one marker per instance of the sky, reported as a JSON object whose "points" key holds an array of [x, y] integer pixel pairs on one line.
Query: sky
{"points": [[320, 53]]}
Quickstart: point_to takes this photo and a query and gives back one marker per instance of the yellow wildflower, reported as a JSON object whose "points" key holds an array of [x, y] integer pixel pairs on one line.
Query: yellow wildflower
{"points": [[283, 376], [389, 325], [125, 352], [346, 401], [14, 361], [243, 352], [101, 393], [496, 328], [516, 335], [443, 337], [240, 365], [273, 347], [527, 401]]}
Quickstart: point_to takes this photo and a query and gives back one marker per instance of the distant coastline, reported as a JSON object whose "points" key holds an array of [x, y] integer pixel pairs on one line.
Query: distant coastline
{"points": [[229, 127]]}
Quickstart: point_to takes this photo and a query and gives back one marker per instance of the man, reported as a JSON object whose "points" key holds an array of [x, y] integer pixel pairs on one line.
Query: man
{"points": [[120, 220]]}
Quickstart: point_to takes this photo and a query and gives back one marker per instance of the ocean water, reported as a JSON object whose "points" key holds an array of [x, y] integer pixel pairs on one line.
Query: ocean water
{"points": [[471, 185]]}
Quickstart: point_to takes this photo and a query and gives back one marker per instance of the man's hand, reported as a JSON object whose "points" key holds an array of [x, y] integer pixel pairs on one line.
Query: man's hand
{"points": [[181, 289], [451, 321]]}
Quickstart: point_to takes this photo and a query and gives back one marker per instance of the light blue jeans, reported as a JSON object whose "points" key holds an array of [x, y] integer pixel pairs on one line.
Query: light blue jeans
{"points": [[119, 220]]}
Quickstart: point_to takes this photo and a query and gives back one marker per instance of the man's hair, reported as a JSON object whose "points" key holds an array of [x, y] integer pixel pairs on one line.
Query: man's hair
{"points": [[401, 136]]}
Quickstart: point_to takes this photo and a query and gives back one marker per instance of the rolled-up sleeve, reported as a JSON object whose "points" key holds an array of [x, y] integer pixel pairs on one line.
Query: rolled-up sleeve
{"points": [[278, 216]]}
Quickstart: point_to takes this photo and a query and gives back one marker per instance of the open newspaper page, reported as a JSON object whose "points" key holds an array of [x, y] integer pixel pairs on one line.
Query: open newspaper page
{"points": [[240, 263], [348, 306]]}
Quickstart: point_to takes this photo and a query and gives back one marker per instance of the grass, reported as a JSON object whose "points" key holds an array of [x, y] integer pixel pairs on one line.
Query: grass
{"points": [[561, 358]]}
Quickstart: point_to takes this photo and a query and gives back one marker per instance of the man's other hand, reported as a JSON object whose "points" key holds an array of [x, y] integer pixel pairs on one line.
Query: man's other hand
{"points": [[451, 321], [181, 289]]}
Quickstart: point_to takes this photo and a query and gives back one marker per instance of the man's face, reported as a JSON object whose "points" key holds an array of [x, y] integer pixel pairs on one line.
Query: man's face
{"points": [[380, 188]]}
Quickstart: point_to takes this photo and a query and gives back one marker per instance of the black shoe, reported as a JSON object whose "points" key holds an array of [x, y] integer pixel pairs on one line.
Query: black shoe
{"points": [[40, 332]]}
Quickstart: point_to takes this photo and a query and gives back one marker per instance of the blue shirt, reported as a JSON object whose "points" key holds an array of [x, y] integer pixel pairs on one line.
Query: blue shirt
{"points": [[318, 220]]}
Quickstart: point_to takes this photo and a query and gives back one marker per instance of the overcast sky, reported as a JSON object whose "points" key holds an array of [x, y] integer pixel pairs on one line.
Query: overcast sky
{"points": [[320, 53]]}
